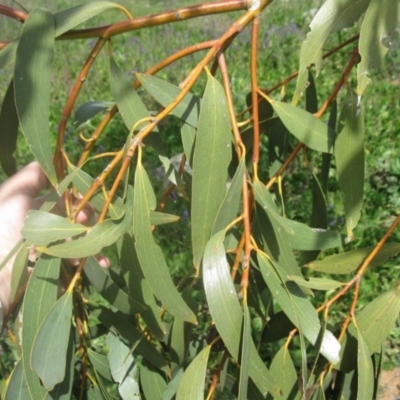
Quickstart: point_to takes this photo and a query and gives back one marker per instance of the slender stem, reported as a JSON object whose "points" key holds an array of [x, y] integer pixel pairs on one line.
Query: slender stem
{"points": [[58, 159], [339, 85], [167, 17], [13, 13], [254, 94]]}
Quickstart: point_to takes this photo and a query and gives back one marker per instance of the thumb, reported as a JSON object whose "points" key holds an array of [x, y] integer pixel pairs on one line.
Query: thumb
{"points": [[29, 181]]}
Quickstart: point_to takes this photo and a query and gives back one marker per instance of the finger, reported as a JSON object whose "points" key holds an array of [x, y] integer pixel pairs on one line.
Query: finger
{"points": [[29, 181]]}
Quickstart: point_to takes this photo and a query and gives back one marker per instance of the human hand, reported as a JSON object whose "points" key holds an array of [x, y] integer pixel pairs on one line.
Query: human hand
{"points": [[18, 195]]}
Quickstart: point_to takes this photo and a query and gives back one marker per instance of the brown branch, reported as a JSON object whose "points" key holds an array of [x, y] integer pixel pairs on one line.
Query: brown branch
{"points": [[167, 17]]}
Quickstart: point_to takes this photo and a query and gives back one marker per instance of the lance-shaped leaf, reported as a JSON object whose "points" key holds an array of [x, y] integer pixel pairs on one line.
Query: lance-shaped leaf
{"points": [[285, 373], [165, 93], [349, 155], [123, 368], [7, 54], [226, 311], [229, 207], [19, 273], [191, 385], [102, 282], [331, 17], [8, 131], [130, 105], [40, 296], [117, 322], [100, 364], [273, 237], [188, 136], [139, 287], [17, 388], [32, 85], [152, 382], [365, 370], [88, 110], [377, 318], [345, 263], [316, 283], [57, 324], [298, 308], [43, 228], [101, 235], [310, 130], [151, 258], [377, 34], [245, 353], [70, 18], [212, 155]]}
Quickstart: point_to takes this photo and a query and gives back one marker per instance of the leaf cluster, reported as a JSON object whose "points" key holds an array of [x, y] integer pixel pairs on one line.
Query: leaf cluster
{"points": [[251, 316]]}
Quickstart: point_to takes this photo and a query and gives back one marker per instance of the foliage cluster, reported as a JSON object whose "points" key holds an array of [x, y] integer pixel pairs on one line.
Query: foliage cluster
{"points": [[238, 316]]}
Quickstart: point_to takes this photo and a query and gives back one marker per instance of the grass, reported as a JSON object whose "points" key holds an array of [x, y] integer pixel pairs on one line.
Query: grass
{"points": [[283, 28]]}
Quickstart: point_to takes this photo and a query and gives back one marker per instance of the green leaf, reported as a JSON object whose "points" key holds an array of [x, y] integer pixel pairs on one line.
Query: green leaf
{"points": [[311, 95], [128, 101], [345, 263], [229, 207], [245, 353], [71, 17], [150, 255], [331, 17], [179, 340], [152, 382], [310, 130], [101, 280], [227, 313], [19, 273], [43, 228], [349, 155], [100, 364], [278, 327], [123, 368], [191, 385], [40, 296], [172, 387], [302, 237], [83, 182], [101, 235], [17, 387], [284, 372], [165, 93], [130, 105], [274, 239], [316, 283], [8, 131], [188, 136], [211, 158], [377, 34], [298, 308], [377, 319], [159, 218], [88, 110], [139, 287], [365, 370], [131, 336], [8, 54], [57, 324], [32, 85]]}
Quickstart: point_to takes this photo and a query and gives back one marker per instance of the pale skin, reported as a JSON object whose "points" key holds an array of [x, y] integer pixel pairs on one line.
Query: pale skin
{"points": [[18, 195]]}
